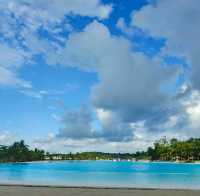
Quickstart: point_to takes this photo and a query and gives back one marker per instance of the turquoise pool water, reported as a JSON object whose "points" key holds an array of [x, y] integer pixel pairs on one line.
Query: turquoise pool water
{"points": [[103, 173]]}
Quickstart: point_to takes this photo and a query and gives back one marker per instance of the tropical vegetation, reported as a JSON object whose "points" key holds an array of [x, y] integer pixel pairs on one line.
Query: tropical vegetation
{"points": [[162, 150], [173, 150], [20, 152]]}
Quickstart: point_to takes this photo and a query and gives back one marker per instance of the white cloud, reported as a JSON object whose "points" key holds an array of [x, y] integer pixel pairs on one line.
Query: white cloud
{"points": [[85, 50], [126, 74], [6, 138], [130, 84], [113, 127], [178, 22], [20, 22], [182, 125], [9, 78], [34, 94], [54, 8], [76, 124], [87, 145], [191, 105], [121, 24], [110, 137], [11, 60], [103, 115], [11, 57]]}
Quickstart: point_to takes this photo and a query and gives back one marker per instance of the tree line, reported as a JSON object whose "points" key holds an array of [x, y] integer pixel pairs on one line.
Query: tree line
{"points": [[162, 150], [20, 152], [172, 150], [91, 156]]}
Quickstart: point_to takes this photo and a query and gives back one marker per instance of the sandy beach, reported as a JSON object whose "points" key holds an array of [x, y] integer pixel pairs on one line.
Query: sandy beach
{"points": [[13, 190]]}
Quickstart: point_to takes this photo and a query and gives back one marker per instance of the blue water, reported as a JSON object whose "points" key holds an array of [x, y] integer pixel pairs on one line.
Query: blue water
{"points": [[103, 173]]}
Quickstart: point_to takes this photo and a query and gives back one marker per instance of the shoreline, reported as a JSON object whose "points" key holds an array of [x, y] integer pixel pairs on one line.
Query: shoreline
{"points": [[93, 187], [139, 161], [24, 190], [57, 186]]}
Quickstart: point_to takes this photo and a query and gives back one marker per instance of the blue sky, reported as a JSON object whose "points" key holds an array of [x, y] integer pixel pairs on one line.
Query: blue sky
{"points": [[109, 76]]}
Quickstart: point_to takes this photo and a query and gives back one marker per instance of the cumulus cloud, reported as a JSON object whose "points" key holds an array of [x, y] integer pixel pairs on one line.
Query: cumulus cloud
{"points": [[113, 127], [191, 108], [178, 22], [182, 125], [130, 88], [126, 74], [118, 136], [21, 23], [76, 124]]}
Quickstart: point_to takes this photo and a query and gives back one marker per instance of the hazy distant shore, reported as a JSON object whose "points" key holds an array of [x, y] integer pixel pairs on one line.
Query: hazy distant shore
{"points": [[19, 190], [139, 161]]}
